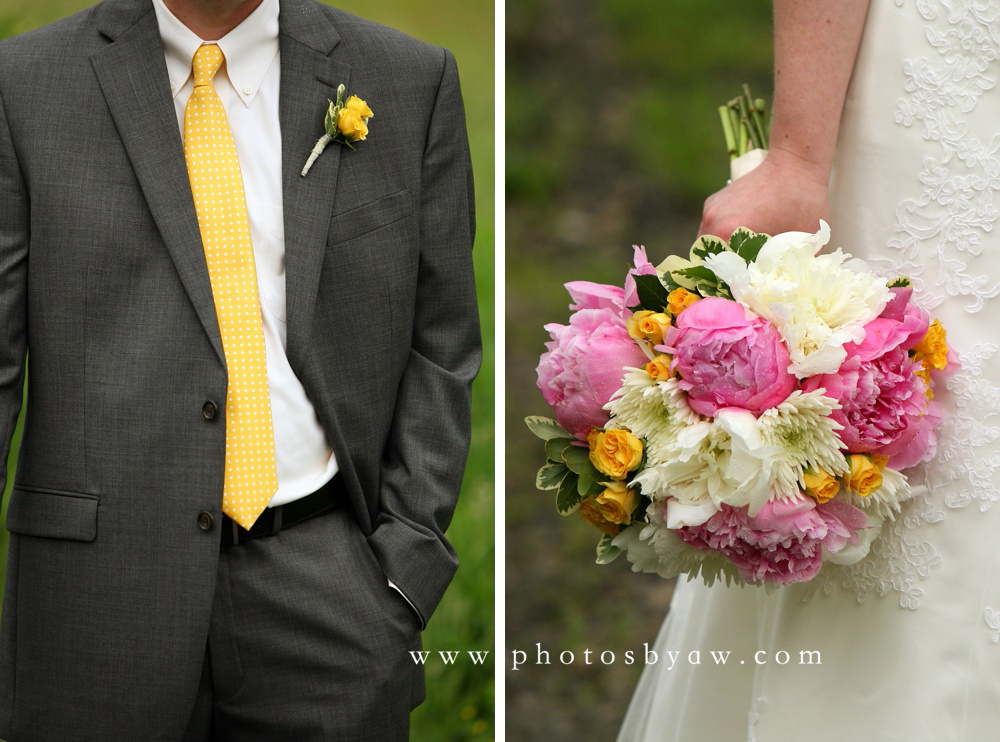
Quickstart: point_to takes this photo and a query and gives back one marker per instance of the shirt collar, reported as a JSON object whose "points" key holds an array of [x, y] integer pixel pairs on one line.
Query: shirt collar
{"points": [[249, 49]]}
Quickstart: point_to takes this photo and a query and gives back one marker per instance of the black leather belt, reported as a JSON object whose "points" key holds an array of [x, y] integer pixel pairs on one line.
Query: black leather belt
{"points": [[328, 497]]}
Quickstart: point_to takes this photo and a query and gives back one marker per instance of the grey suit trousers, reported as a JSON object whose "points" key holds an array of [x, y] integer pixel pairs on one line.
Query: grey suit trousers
{"points": [[307, 642]]}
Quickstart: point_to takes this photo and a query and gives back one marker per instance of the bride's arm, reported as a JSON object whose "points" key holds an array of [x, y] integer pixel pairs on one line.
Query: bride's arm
{"points": [[815, 45]]}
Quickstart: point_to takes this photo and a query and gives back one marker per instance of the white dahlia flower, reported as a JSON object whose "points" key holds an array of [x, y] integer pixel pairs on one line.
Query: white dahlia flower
{"points": [[806, 436]]}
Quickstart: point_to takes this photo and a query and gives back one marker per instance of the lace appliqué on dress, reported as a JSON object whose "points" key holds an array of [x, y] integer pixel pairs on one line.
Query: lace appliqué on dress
{"points": [[753, 716], [993, 621], [936, 242]]}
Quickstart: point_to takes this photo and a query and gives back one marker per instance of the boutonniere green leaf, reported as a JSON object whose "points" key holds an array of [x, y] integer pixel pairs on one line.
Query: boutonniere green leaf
{"points": [[346, 122]]}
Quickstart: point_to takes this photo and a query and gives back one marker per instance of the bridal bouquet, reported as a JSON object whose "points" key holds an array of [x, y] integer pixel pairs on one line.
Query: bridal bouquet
{"points": [[748, 412]]}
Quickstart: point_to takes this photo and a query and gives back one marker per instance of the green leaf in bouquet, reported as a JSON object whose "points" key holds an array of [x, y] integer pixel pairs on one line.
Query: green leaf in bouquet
{"points": [[902, 282], [700, 273], [550, 475], [567, 498], [707, 245], [589, 481], [747, 244], [577, 458], [668, 281], [606, 551], [545, 428], [652, 293], [670, 268], [554, 448], [707, 283]]}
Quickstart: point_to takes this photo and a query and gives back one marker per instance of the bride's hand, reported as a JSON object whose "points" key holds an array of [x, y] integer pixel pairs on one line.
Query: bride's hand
{"points": [[784, 193]]}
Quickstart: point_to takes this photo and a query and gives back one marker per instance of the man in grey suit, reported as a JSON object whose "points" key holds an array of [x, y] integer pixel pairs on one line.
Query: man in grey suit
{"points": [[135, 607]]}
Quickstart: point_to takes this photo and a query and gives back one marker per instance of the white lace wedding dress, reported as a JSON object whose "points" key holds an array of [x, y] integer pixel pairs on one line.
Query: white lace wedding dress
{"points": [[908, 639]]}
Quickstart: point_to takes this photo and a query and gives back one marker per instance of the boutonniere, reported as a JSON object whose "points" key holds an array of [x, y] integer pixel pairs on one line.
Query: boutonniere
{"points": [[345, 122]]}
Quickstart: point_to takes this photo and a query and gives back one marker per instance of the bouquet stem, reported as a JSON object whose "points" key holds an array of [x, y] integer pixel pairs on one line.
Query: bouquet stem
{"points": [[744, 124]]}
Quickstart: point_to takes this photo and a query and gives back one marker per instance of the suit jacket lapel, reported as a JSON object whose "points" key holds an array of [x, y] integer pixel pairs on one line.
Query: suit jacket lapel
{"points": [[309, 77], [133, 76]]}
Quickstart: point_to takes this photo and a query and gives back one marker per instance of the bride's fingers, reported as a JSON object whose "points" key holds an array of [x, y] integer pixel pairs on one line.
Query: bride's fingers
{"points": [[707, 214]]}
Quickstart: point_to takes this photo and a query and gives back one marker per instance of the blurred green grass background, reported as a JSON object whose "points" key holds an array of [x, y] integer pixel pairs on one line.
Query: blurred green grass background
{"points": [[612, 139], [460, 700]]}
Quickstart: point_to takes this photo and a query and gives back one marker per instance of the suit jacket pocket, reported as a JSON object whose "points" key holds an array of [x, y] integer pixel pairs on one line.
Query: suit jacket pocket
{"points": [[355, 222], [52, 514]]}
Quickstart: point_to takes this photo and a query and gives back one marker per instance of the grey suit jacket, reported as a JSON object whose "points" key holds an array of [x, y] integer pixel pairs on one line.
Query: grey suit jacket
{"points": [[103, 282]]}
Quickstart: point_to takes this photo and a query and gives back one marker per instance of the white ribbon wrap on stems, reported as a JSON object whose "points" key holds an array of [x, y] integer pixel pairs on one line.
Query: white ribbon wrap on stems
{"points": [[745, 163]]}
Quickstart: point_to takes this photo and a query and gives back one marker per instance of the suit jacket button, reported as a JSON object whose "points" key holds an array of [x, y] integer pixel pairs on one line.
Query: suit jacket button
{"points": [[205, 521], [209, 410]]}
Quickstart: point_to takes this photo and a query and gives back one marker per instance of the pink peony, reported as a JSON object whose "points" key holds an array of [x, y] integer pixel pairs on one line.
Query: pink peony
{"points": [[589, 295], [586, 360], [913, 320], [727, 356], [884, 403], [642, 268], [784, 542]]}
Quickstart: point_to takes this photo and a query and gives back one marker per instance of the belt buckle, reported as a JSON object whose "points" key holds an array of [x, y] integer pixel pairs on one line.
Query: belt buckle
{"points": [[275, 515]]}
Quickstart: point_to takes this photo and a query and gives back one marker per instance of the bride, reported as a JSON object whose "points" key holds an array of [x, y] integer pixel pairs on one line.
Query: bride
{"points": [[897, 104]]}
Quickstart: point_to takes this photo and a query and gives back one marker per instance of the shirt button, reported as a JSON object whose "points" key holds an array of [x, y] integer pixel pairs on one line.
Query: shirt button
{"points": [[247, 90], [209, 410], [205, 521]]}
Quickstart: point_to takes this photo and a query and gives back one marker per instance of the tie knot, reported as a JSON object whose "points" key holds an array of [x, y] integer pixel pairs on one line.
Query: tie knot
{"points": [[206, 63]]}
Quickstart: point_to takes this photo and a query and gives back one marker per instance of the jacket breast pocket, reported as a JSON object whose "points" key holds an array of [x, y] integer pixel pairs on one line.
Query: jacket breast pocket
{"points": [[358, 221], [52, 514]]}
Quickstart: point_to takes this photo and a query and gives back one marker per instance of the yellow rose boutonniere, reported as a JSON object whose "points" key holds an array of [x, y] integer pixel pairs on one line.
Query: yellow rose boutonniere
{"points": [[354, 103], [351, 125], [865, 476], [614, 452], [345, 122]]}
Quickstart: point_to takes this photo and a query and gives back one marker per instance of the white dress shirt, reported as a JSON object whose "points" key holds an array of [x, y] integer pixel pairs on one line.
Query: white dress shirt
{"points": [[248, 83], [248, 86]]}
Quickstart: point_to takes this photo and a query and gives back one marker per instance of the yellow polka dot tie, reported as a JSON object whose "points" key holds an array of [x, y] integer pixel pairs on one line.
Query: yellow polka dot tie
{"points": [[251, 478]]}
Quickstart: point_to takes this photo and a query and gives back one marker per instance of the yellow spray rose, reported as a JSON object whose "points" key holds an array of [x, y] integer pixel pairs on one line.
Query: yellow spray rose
{"points": [[592, 514], [659, 367], [865, 476], [648, 325], [933, 349], [614, 452], [616, 503], [351, 124], [680, 299], [820, 484], [924, 372], [880, 461]]}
